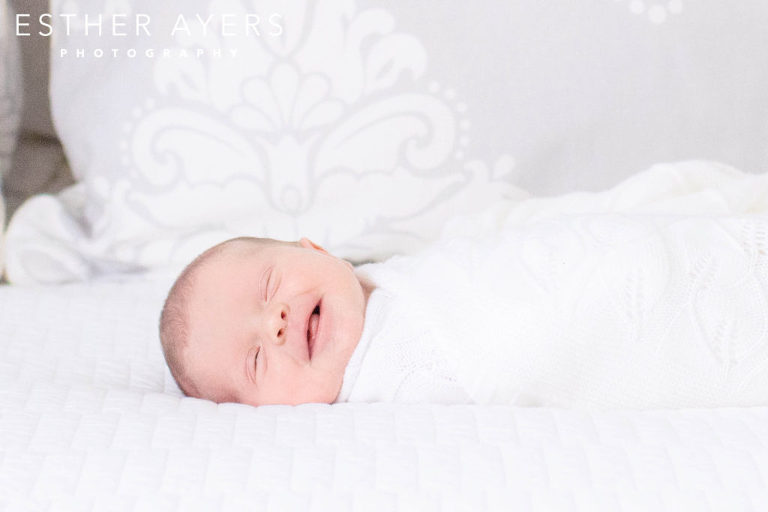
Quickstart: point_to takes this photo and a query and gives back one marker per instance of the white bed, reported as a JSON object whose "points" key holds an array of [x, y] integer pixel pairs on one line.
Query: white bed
{"points": [[90, 420]]}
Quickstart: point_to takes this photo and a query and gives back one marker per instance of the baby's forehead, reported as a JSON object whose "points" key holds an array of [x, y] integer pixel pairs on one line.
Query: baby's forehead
{"points": [[229, 264], [234, 252], [229, 269], [218, 268]]}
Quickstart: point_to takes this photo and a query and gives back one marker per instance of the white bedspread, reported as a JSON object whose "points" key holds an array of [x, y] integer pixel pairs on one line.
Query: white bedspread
{"points": [[655, 303], [91, 420]]}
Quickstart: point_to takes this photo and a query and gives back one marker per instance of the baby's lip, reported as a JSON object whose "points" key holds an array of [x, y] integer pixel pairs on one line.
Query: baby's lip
{"points": [[307, 327]]}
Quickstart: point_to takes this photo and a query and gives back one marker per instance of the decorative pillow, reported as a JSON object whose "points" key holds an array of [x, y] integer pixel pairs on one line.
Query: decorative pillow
{"points": [[10, 104], [322, 125], [365, 124]]}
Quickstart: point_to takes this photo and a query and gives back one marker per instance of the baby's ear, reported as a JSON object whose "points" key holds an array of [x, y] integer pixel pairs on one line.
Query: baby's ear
{"points": [[309, 244]]}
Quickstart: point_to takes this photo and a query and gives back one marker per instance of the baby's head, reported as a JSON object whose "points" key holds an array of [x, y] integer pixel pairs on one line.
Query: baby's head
{"points": [[262, 321]]}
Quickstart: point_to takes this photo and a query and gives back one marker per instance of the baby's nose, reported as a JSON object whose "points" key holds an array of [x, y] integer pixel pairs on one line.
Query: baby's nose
{"points": [[278, 323]]}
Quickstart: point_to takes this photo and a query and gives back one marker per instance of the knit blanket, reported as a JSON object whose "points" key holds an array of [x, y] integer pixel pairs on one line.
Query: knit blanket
{"points": [[652, 294]]}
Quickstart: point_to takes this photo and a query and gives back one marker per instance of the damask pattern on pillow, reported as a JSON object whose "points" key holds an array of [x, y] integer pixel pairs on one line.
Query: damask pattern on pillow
{"points": [[364, 125]]}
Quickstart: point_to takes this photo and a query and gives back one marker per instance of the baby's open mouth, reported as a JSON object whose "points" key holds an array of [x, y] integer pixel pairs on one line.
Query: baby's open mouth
{"points": [[314, 321]]}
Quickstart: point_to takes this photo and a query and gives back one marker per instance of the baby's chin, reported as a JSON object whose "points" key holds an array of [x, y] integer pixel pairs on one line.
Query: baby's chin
{"points": [[326, 396], [328, 390]]}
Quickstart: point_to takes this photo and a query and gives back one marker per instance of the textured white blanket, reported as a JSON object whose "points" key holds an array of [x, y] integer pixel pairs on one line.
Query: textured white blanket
{"points": [[91, 419], [652, 294]]}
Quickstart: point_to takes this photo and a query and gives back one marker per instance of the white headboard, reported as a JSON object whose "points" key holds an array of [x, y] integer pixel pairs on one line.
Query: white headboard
{"points": [[36, 116]]}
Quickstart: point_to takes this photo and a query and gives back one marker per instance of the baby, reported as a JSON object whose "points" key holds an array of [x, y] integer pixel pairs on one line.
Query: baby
{"points": [[592, 311], [262, 321]]}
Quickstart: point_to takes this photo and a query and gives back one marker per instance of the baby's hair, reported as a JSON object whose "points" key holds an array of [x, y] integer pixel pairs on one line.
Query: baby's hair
{"points": [[174, 324]]}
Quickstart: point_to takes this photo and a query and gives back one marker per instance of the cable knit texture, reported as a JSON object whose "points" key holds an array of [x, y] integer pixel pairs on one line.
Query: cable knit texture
{"points": [[653, 294]]}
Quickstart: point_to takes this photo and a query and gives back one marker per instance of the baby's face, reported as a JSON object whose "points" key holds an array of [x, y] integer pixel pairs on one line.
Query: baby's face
{"points": [[273, 324]]}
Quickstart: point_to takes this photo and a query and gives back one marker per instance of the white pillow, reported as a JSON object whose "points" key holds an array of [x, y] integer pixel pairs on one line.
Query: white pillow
{"points": [[366, 124], [10, 105], [328, 132]]}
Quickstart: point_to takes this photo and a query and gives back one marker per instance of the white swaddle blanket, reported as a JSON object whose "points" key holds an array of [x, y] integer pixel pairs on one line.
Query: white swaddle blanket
{"points": [[651, 294]]}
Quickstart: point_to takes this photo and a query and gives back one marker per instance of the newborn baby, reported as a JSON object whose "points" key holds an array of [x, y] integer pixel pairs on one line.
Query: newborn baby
{"points": [[652, 294], [261, 321], [589, 311]]}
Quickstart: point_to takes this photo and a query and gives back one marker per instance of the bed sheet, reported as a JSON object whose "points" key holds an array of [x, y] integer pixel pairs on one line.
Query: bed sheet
{"points": [[90, 419]]}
